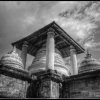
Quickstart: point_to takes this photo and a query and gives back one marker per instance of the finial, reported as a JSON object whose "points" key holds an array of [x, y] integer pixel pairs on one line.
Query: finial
{"points": [[13, 50], [88, 55]]}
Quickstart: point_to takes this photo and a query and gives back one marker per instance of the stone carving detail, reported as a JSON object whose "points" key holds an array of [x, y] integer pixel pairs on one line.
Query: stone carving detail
{"points": [[48, 89], [44, 89], [55, 90]]}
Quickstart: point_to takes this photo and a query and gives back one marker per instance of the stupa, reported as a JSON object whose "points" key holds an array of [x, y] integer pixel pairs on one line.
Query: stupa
{"points": [[12, 59], [11, 87], [89, 64], [39, 63]]}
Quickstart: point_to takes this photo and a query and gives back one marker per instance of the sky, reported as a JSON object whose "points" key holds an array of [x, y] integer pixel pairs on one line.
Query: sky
{"points": [[80, 19]]}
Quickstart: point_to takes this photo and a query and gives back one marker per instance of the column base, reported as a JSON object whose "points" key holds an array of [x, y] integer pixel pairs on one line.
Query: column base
{"points": [[47, 84]]}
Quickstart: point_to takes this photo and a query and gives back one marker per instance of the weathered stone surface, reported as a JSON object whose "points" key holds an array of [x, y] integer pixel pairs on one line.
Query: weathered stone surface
{"points": [[46, 85], [11, 87], [44, 89], [83, 88]]}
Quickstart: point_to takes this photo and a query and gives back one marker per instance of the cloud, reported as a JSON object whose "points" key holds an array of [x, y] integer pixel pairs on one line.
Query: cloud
{"points": [[21, 18], [94, 46], [82, 20]]}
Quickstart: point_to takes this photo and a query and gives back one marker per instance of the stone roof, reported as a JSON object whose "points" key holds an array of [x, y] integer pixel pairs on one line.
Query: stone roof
{"points": [[38, 38]]}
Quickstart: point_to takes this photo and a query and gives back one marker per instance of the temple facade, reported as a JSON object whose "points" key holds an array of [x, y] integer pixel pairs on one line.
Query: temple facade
{"points": [[49, 75]]}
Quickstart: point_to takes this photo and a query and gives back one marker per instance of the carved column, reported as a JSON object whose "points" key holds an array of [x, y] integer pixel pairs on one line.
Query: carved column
{"points": [[24, 57], [50, 57], [24, 53], [73, 59], [50, 49]]}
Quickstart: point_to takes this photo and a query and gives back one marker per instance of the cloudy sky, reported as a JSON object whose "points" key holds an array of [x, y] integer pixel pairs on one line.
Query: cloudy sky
{"points": [[80, 19]]}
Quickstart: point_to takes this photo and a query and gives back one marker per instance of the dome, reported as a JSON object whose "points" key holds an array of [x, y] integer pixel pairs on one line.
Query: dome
{"points": [[11, 86], [12, 59], [89, 64], [39, 63]]}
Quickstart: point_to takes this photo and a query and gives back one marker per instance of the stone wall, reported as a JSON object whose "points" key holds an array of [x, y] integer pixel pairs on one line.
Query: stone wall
{"points": [[43, 89], [82, 88], [11, 87]]}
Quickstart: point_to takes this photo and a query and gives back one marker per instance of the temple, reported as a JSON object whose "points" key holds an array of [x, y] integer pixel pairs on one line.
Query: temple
{"points": [[49, 75]]}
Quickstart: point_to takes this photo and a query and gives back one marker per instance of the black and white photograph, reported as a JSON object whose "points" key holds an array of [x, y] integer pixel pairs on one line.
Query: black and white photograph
{"points": [[50, 49]]}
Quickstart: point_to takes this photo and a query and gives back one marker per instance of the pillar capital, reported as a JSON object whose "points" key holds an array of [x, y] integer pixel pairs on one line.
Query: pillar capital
{"points": [[72, 49], [51, 32], [25, 43]]}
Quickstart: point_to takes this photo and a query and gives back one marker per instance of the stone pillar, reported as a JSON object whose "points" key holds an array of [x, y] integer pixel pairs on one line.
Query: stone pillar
{"points": [[50, 50], [73, 59], [24, 57], [24, 53]]}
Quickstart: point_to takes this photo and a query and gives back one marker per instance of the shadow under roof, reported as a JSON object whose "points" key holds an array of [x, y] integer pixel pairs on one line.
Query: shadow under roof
{"points": [[38, 38]]}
